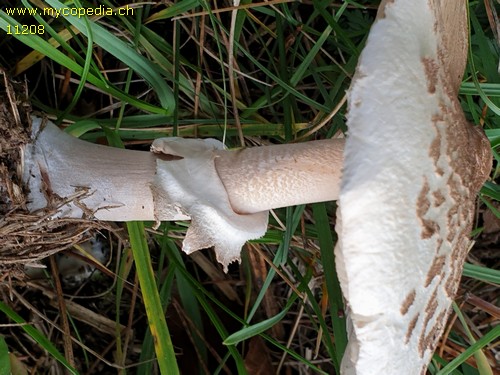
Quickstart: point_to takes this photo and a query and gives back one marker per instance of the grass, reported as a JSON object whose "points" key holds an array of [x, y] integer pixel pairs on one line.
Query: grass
{"points": [[125, 80]]}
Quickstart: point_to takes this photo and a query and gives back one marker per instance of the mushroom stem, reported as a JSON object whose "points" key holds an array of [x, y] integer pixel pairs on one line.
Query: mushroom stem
{"points": [[119, 181], [260, 178]]}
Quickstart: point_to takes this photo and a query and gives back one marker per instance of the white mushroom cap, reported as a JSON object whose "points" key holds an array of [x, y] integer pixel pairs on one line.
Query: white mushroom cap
{"points": [[413, 166]]}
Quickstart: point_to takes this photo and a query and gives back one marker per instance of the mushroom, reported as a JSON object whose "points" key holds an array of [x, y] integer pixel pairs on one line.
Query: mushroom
{"points": [[411, 169], [413, 166], [225, 193]]}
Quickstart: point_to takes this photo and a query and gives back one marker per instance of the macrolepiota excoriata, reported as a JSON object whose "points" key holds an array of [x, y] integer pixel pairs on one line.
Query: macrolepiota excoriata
{"points": [[406, 184]]}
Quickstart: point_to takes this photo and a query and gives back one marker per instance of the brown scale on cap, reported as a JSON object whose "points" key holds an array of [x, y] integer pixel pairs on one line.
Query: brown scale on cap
{"points": [[465, 151], [404, 230]]}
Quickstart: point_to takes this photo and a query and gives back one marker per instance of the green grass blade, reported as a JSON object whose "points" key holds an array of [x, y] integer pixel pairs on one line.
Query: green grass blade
{"points": [[57, 39], [86, 67], [489, 275], [174, 10], [188, 298], [123, 52], [491, 190], [490, 89], [255, 329], [156, 316], [481, 360], [283, 86], [488, 338], [38, 44], [288, 101], [493, 136], [204, 297], [294, 355], [301, 70], [36, 335], [327, 339], [336, 303], [4, 357], [492, 106], [148, 348], [281, 257]]}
